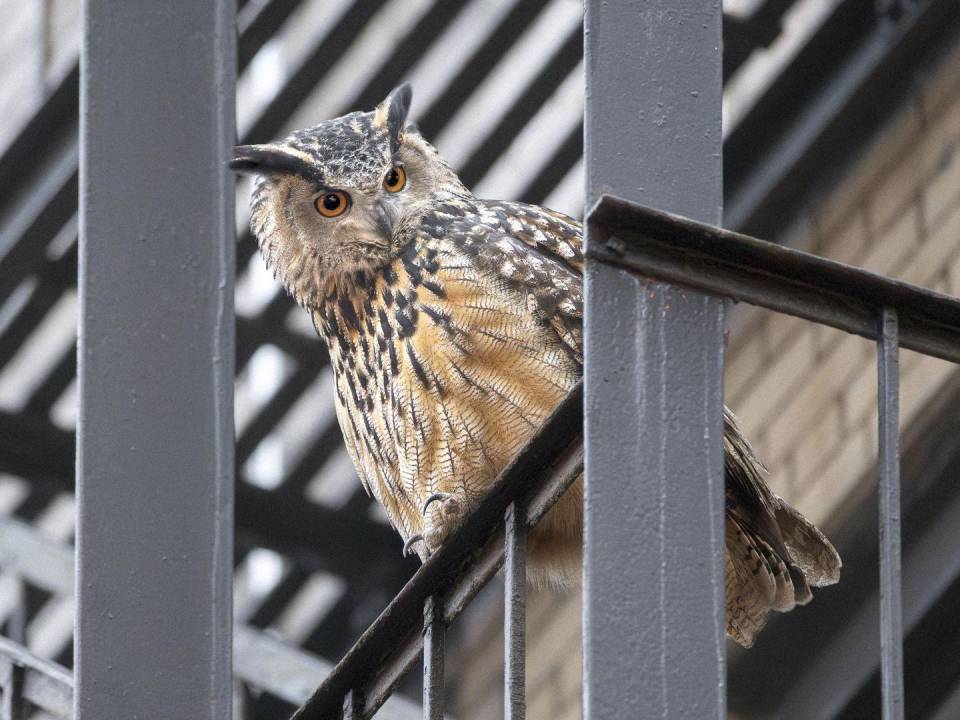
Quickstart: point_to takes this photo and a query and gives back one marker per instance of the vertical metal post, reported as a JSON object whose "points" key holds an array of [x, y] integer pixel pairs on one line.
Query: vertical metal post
{"points": [[353, 705], [12, 676], [653, 597], [515, 614], [433, 652], [891, 608], [155, 364]]}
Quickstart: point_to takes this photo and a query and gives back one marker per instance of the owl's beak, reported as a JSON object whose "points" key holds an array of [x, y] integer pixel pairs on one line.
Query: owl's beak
{"points": [[383, 220]]}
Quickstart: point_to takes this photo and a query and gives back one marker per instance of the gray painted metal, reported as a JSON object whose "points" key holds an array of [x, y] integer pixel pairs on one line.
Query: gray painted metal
{"points": [[353, 705], [659, 245], [674, 249], [259, 659], [891, 605], [514, 614], [827, 684], [390, 647], [265, 662], [653, 573], [155, 362], [25, 677], [433, 656]]}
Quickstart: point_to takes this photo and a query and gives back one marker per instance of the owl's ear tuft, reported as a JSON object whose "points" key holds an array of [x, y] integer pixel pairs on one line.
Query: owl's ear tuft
{"points": [[391, 114], [270, 160]]}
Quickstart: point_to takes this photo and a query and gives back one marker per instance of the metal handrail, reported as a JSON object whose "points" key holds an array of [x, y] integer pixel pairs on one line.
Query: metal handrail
{"points": [[673, 249], [388, 649]]}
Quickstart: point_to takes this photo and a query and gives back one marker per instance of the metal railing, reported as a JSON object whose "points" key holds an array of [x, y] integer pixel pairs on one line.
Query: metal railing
{"points": [[262, 662], [29, 683], [659, 248], [667, 248], [494, 536], [53, 189]]}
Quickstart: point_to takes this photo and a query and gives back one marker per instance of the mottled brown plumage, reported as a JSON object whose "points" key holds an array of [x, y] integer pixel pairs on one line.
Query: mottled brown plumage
{"points": [[454, 327]]}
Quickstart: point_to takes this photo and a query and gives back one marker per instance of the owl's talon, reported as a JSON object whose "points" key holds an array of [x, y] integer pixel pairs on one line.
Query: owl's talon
{"points": [[408, 545], [433, 498]]}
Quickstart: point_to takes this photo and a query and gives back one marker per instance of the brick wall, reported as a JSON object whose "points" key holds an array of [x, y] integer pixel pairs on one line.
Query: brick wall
{"points": [[805, 394]]}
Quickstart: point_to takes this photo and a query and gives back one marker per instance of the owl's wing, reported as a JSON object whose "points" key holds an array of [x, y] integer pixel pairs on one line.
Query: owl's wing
{"points": [[773, 554], [538, 252]]}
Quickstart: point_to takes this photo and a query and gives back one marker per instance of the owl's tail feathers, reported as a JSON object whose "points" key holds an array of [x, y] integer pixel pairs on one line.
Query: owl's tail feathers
{"points": [[809, 549], [773, 554], [759, 579]]}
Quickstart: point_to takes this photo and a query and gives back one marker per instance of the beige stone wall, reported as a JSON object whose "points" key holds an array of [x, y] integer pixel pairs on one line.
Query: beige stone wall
{"points": [[805, 394]]}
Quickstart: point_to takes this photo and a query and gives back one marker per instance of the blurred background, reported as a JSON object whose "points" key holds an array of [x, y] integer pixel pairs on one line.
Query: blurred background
{"points": [[842, 137]]}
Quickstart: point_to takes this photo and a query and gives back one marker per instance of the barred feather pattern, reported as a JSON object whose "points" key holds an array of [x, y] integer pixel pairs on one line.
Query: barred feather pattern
{"points": [[449, 358], [455, 327]]}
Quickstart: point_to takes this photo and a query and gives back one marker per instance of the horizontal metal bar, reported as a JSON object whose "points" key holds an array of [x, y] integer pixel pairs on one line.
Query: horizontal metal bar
{"points": [[391, 645], [678, 250], [271, 665], [276, 519]]}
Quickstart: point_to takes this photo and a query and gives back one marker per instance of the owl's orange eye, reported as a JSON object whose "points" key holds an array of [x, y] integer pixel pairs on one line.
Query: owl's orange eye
{"points": [[331, 204], [395, 180]]}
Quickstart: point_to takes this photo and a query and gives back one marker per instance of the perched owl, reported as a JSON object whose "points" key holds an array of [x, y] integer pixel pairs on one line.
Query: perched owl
{"points": [[454, 327]]}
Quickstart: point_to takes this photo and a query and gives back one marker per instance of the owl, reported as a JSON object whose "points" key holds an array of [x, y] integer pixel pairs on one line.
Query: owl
{"points": [[454, 327]]}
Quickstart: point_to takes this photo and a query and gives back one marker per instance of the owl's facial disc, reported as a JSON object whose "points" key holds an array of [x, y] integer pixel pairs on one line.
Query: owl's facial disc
{"points": [[329, 199]]}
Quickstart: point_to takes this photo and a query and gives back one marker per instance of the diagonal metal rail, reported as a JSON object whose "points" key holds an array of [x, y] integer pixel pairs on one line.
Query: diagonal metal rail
{"points": [[685, 253], [448, 581]]}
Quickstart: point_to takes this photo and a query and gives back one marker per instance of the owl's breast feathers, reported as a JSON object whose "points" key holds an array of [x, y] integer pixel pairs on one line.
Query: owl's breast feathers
{"points": [[448, 359]]}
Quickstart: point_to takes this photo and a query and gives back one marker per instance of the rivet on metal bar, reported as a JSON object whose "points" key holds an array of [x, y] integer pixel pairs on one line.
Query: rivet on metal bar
{"points": [[891, 609], [433, 631], [515, 614]]}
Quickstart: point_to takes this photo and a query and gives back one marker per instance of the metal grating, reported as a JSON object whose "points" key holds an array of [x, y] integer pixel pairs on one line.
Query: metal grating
{"points": [[328, 549], [655, 248]]}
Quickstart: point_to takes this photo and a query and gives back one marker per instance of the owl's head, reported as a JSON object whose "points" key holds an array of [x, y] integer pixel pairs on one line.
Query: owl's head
{"points": [[330, 199]]}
